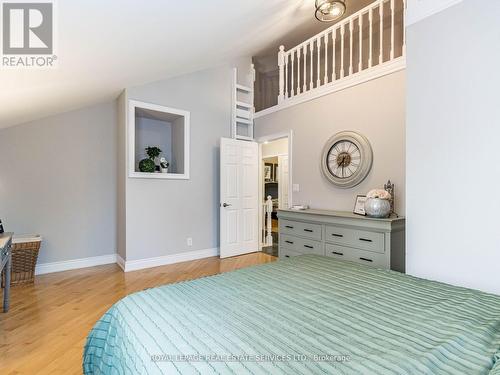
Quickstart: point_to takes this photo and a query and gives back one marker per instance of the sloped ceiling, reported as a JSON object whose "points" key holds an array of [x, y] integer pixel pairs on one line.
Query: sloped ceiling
{"points": [[105, 46]]}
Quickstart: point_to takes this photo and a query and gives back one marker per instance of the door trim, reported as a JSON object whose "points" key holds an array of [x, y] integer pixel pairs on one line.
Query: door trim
{"points": [[269, 138]]}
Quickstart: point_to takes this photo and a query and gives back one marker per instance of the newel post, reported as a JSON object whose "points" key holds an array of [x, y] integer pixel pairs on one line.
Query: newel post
{"points": [[269, 226], [281, 65]]}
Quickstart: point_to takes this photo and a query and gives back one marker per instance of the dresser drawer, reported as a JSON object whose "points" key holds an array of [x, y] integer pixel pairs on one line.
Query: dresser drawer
{"points": [[297, 228], [337, 251], [371, 241], [339, 235], [287, 253], [369, 258], [360, 239], [358, 256], [301, 245]]}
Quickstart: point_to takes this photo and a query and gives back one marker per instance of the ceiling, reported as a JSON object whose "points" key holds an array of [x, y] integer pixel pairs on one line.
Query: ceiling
{"points": [[105, 46]]}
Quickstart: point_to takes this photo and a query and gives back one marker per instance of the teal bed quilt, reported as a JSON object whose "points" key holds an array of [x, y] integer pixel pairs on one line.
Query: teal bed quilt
{"points": [[305, 315]]}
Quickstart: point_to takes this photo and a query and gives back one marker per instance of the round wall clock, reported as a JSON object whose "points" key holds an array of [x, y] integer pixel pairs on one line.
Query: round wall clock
{"points": [[346, 159]]}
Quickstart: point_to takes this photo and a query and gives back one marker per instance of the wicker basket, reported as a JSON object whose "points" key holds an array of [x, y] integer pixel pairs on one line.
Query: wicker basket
{"points": [[24, 256]]}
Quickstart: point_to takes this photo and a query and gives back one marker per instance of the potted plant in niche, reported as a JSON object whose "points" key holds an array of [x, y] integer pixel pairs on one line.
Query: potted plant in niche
{"points": [[148, 165]]}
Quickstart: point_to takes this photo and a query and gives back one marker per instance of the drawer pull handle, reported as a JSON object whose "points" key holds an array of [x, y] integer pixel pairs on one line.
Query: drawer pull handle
{"points": [[366, 259], [287, 256], [337, 235], [308, 230], [290, 242], [309, 247], [365, 240], [288, 226], [334, 252]]}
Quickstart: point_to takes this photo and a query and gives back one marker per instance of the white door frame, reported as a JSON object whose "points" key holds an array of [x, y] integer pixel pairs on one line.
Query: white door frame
{"points": [[269, 138]]}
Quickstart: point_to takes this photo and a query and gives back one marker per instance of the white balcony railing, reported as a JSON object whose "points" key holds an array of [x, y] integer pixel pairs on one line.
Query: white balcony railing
{"points": [[372, 37]]}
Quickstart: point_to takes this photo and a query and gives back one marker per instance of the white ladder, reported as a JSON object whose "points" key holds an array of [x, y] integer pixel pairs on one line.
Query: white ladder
{"points": [[242, 109]]}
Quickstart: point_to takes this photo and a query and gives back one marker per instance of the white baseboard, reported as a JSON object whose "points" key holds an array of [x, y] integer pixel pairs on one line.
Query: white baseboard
{"points": [[120, 261], [73, 264], [134, 265], [126, 266]]}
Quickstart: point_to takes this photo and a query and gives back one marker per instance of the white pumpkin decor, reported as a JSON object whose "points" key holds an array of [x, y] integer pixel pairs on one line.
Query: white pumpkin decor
{"points": [[378, 203]]}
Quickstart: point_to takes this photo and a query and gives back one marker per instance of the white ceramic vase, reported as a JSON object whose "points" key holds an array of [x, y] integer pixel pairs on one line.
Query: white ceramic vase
{"points": [[376, 207]]}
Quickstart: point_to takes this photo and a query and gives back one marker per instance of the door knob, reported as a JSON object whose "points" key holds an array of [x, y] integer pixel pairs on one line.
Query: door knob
{"points": [[225, 205]]}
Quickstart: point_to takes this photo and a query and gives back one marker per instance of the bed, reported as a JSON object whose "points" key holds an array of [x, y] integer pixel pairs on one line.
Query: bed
{"points": [[304, 315]]}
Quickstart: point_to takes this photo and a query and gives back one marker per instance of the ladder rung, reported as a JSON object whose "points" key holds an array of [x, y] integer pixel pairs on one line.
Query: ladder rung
{"points": [[243, 121], [241, 113], [244, 105], [243, 88]]}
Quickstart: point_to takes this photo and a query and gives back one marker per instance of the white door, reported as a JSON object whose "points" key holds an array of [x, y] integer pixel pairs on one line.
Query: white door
{"points": [[283, 178], [239, 191]]}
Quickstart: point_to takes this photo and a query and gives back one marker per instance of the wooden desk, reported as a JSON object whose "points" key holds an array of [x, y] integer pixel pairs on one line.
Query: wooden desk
{"points": [[5, 265]]}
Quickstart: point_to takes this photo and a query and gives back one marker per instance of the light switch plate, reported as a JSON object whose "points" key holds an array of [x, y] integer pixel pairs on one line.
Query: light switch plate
{"points": [[295, 188]]}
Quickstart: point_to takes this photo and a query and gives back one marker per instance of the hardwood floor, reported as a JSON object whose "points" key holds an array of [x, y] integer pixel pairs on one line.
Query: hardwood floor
{"points": [[45, 329]]}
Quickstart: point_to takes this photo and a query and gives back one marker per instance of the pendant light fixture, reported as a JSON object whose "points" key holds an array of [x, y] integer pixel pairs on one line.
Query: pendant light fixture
{"points": [[329, 10]]}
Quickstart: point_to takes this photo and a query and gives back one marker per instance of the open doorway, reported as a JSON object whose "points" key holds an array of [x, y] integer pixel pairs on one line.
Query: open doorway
{"points": [[274, 189]]}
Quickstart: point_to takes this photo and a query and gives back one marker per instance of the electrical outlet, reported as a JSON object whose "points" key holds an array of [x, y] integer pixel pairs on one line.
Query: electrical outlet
{"points": [[295, 188], [189, 241]]}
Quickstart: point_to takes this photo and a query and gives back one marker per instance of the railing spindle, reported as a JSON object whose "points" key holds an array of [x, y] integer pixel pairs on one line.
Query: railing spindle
{"points": [[360, 23], [392, 29], [298, 71], [342, 33], [325, 80], [381, 15], [318, 44], [304, 89], [292, 93], [404, 28], [334, 58], [286, 75], [351, 39], [311, 49], [370, 56]]}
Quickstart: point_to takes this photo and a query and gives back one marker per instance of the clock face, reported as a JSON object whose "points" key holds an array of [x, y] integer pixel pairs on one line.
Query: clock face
{"points": [[344, 159]]}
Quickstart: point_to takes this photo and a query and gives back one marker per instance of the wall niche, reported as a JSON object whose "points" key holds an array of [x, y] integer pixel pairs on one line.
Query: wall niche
{"points": [[155, 125]]}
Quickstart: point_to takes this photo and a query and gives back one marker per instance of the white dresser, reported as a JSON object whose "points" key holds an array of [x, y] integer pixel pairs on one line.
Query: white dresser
{"points": [[343, 235]]}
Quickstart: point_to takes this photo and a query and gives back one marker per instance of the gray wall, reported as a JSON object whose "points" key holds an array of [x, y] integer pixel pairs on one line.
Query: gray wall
{"points": [[375, 109], [162, 214], [453, 132], [58, 178]]}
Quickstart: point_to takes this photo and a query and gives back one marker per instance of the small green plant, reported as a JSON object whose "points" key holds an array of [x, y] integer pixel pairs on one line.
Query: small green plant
{"points": [[147, 165], [153, 152]]}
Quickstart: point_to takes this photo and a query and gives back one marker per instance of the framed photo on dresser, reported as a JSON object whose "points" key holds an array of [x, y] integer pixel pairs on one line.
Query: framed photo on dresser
{"points": [[359, 206]]}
